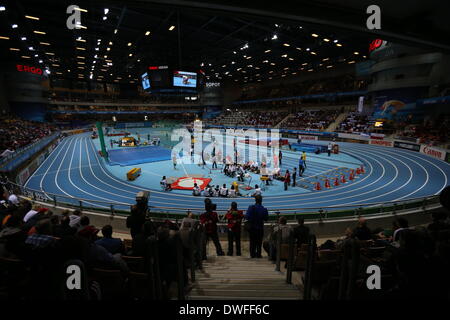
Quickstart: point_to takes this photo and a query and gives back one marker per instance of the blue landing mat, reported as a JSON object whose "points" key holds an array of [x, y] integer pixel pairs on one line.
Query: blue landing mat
{"points": [[128, 156], [308, 147]]}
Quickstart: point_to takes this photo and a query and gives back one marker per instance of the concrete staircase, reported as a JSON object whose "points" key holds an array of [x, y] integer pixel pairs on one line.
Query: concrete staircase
{"points": [[241, 278], [278, 125], [341, 117]]}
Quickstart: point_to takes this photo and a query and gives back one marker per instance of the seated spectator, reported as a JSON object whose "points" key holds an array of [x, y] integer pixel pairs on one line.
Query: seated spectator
{"points": [[75, 219], [196, 190], [31, 213], [257, 191], [12, 199], [232, 192], [216, 191], [362, 232], [439, 222], [85, 227], [12, 238], [139, 245], [165, 186], [64, 229], [42, 238], [283, 230], [113, 245], [98, 256], [342, 240], [400, 224], [223, 191], [208, 191]]}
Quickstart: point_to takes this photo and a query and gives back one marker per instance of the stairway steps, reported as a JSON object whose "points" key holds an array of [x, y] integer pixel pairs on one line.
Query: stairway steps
{"points": [[244, 286], [245, 293], [193, 297], [241, 277]]}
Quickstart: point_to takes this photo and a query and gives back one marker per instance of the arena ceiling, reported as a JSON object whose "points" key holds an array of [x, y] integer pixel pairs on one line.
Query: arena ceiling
{"points": [[119, 39]]}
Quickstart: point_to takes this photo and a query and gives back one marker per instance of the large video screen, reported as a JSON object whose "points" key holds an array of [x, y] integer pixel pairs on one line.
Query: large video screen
{"points": [[184, 79], [145, 81]]}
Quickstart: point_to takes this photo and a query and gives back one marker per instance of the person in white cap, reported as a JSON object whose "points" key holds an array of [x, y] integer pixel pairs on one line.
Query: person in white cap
{"points": [[13, 199]]}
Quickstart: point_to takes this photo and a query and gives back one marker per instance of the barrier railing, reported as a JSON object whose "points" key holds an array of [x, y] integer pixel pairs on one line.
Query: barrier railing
{"points": [[13, 160], [316, 213]]}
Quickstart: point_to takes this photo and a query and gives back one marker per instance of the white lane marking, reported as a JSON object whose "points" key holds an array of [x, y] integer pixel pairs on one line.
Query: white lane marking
{"points": [[81, 174], [167, 197], [51, 164], [330, 190], [42, 164], [166, 200]]}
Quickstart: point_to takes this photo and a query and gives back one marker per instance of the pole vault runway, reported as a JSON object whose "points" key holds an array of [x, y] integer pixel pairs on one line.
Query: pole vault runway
{"points": [[75, 170]]}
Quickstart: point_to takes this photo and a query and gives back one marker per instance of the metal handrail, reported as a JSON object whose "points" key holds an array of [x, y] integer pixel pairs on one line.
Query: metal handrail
{"points": [[53, 196], [307, 286]]}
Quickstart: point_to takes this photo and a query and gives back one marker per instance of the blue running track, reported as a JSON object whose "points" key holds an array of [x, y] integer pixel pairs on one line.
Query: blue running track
{"points": [[75, 170]]}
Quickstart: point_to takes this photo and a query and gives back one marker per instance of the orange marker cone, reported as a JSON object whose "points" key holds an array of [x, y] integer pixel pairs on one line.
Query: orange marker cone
{"points": [[343, 179], [317, 186], [336, 182], [327, 183]]}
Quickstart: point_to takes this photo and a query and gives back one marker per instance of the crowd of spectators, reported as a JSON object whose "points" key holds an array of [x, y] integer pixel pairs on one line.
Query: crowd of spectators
{"points": [[250, 118], [432, 131], [355, 123], [16, 133], [311, 120], [337, 84], [414, 261]]}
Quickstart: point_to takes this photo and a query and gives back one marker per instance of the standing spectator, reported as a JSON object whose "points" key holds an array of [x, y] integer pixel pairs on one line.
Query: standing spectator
{"points": [[174, 161], [287, 180], [301, 232], [301, 167], [294, 176], [330, 147], [256, 215], [209, 220], [280, 156], [234, 218], [113, 245], [214, 162], [304, 159], [135, 220]]}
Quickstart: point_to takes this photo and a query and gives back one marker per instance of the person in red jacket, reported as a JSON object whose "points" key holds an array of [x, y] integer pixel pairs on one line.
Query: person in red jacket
{"points": [[209, 221], [234, 218], [287, 180]]}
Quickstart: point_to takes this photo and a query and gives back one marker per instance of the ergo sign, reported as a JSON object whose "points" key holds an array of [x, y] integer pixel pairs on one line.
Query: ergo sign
{"points": [[23, 68], [375, 44]]}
